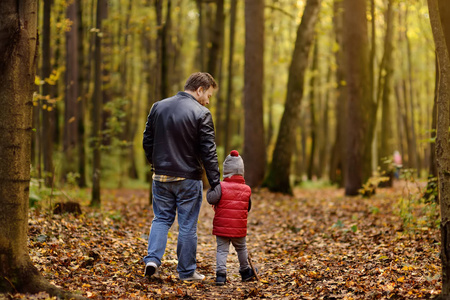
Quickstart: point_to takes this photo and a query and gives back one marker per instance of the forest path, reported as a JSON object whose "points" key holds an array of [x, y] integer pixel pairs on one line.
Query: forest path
{"points": [[317, 244]]}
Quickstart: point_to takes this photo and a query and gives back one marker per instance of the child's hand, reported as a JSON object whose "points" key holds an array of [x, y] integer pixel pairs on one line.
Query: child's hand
{"points": [[213, 195]]}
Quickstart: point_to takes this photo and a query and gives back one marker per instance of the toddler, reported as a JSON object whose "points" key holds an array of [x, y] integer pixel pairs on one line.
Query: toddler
{"points": [[231, 202]]}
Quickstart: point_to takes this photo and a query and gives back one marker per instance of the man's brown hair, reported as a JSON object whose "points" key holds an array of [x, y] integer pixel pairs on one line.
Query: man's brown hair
{"points": [[200, 79]]}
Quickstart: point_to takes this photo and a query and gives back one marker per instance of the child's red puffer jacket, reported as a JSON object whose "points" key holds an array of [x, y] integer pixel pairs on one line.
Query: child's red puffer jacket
{"points": [[230, 219]]}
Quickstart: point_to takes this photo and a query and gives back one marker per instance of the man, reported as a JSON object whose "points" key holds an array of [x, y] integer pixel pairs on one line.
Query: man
{"points": [[178, 140]]}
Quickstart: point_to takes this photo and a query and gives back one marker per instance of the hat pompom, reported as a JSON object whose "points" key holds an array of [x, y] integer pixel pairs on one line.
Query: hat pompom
{"points": [[234, 153]]}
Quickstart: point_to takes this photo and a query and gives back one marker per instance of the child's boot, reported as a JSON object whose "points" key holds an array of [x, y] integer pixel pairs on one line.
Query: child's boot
{"points": [[221, 278], [247, 274]]}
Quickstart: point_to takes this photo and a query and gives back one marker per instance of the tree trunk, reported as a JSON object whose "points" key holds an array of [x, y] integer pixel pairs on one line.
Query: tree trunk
{"points": [[430, 191], [415, 159], [337, 161], [201, 36], [373, 48], [215, 53], [18, 53], [439, 22], [82, 182], [312, 110], [386, 147], [152, 72], [97, 108], [229, 101], [107, 62], [359, 97], [403, 134], [165, 40], [278, 177], [158, 47], [274, 56], [433, 169], [48, 120], [324, 140], [71, 86], [254, 147]]}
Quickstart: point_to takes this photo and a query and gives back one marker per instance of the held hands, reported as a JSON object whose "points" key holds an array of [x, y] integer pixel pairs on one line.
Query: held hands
{"points": [[213, 195]]}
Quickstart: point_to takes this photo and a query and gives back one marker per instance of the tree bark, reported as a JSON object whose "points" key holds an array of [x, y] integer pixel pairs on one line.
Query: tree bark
{"points": [[254, 146], [165, 40], [441, 36], [430, 190], [386, 147], [82, 182], [415, 159], [201, 36], [337, 161], [442, 139], [215, 53], [324, 140], [433, 168], [359, 97], [229, 101], [48, 120], [312, 111], [278, 178], [158, 47], [97, 108], [71, 85], [18, 53]]}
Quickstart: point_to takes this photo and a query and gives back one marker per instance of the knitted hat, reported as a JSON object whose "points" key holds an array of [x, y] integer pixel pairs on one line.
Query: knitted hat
{"points": [[233, 165]]}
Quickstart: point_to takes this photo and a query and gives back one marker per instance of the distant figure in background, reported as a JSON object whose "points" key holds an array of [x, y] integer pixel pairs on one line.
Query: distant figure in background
{"points": [[397, 163]]}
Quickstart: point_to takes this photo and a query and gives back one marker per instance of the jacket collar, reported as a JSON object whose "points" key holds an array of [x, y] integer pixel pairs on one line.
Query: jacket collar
{"points": [[184, 94], [235, 178]]}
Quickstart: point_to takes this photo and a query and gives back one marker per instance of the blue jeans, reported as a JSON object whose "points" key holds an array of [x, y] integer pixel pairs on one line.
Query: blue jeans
{"points": [[184, 196]]}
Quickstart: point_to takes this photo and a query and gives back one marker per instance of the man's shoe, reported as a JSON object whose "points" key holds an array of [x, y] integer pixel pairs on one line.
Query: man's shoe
{"points": [[194, 277], [221, 278], [247, 274], [150, 269]]}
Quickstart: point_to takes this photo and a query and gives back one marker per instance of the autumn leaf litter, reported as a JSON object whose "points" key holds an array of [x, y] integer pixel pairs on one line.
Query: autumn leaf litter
{"points": [[315, 245]]}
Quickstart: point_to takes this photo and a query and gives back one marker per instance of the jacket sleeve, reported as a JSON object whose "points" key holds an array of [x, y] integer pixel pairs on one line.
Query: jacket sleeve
{"points": [[148, 136], [208, 151]]}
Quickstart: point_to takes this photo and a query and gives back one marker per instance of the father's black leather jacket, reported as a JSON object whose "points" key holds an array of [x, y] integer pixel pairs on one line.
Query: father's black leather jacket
{"points": [[179, 138]]}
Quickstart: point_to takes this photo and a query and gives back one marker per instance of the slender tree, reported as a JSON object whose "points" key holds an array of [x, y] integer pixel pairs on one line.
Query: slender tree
{"points": [[81, 103], [337, 161], [229, 99], [71, 84], [410, 98], [430, 190], [97, 107], [48, 121], [215, 53], [277, 179], [254, 147], [385, 87], [165, 52], [358, 91], [324, 136], [313, 99], [201, 35]]}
